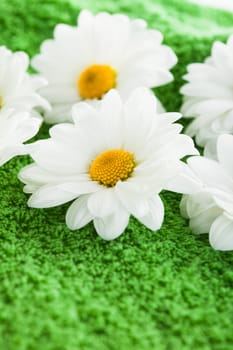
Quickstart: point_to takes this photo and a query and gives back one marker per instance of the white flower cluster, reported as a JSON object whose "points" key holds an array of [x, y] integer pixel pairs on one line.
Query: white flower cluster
{"points": [[19, 121], [209, 100], [114, 148]]}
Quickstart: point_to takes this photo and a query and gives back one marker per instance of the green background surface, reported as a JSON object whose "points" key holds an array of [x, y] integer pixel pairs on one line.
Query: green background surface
{"points": [[63, 290]]}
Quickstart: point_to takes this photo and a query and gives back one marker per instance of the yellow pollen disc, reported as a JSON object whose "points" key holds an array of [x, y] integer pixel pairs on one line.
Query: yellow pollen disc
{"points": [[111, 166], [1, 102], [96, 80]]}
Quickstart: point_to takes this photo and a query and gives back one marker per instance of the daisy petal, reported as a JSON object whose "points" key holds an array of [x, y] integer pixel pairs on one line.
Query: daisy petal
{"points": [[210, 173], [111, 111], [8, 153], [183, 206], [59, 93], [185, 181], [82, 185], [112, 226], [49, 196], [225, 151], [60, 113], [82, 112], [78, 214], [154, 217], [201, 209], [221, 233], [210, 150], [134, 202], [202, 223], [103, 203]]}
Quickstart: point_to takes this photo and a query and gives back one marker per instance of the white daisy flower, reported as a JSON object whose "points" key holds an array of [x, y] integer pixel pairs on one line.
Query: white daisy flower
{"points": [[209, 97], [211, 208], [18, 122], [103, 52], [114, 161]]}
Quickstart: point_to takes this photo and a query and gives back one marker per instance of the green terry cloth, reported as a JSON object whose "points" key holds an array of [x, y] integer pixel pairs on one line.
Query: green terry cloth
{"points": [[63, 290]]}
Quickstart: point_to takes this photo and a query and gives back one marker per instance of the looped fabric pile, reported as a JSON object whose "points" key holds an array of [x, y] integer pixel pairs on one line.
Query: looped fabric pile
{"points": [[115, 162]]}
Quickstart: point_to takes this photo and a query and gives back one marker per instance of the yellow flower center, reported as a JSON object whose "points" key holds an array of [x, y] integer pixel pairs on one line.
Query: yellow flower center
{"points": [[1, 102], [111, 166], [96, 80]]}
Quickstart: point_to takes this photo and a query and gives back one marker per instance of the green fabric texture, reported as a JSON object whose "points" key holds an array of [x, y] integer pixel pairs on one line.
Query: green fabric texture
{"points": [[64, 290]]}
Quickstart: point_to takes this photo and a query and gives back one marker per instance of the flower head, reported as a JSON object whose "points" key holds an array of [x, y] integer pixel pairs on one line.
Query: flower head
{"points": [[103, 52], [113, 161], [18, 96], [209, 97], [211, 208]]}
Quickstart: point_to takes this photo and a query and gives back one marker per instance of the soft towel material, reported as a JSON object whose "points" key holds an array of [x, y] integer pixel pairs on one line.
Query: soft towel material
{"points": [[63, 290]]}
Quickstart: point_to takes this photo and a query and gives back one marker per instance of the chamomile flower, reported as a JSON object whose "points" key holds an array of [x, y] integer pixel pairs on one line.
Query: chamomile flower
{"points": [[113, 161], [103, 52], [211, 208], [18, 96], [209, 97]]}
